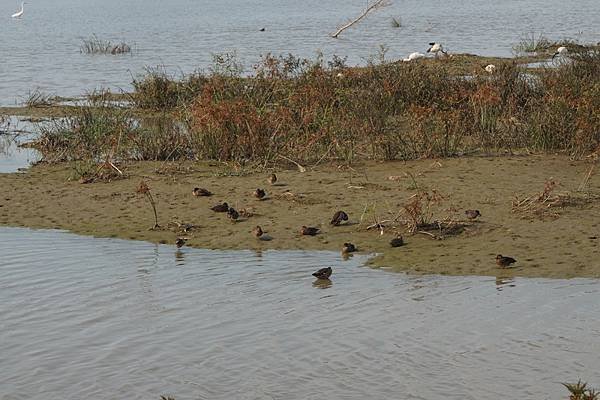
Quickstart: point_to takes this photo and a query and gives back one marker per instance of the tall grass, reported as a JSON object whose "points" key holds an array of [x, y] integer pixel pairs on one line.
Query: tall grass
{"points": [[312, 110], [95, 45]]}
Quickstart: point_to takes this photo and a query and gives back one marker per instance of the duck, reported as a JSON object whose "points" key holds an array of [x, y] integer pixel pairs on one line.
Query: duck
{"points": [[309, 231], [232, 214], [348, 248], [200, 192], [257, 232], [436, 48], [180, 242], [338, 217], [472, 214], [272, 179], [221, 207], [504, 262], [260, 194], [397, 241], [323, 273]]}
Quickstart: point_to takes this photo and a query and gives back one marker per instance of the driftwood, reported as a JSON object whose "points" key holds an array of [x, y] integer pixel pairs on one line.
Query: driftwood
{"points": [[377, 4]]}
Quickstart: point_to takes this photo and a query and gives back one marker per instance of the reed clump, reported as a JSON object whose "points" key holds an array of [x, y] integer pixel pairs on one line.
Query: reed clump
{"points": [[99, 131], [95, 45]]}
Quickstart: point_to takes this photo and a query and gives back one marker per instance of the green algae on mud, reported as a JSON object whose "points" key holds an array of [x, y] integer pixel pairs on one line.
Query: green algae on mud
{"points": [[559, 247]]}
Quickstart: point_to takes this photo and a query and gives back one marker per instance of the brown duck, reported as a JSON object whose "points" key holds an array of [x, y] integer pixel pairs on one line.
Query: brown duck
{"points": [[260, 194], [221, 207], [338, 217], [309, 231], [257, 232], [272, 179], [323, 273], [472, 214], [180, 242], [232, 214], [348, 248], [201, 192], [504, 262], [397, 241]]}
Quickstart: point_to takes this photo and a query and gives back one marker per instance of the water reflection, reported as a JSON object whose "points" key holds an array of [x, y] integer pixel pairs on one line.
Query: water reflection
{"points": [[95, 318], [322, 283]]}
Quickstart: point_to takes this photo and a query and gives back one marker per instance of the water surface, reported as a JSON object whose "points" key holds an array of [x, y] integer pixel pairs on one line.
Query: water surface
{"points": [[105, 319], [42, 49]]}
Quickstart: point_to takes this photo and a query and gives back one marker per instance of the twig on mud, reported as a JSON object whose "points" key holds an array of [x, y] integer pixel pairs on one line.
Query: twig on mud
{"points": [[300, 167]]}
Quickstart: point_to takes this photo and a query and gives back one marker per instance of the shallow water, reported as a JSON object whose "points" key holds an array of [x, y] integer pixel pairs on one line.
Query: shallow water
{"points": [[12, 157], [102, 318], [42, 49]]}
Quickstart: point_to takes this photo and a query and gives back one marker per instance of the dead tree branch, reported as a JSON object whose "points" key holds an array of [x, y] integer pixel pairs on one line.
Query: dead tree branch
{"points": [[377, 4]]}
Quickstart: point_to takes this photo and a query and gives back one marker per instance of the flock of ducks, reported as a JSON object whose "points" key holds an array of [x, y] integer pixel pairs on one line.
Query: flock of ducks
{"points": [[339, 217]]}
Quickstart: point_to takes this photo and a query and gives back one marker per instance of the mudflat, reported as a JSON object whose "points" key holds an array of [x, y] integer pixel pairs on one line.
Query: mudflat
{"points": [[553, 235]]}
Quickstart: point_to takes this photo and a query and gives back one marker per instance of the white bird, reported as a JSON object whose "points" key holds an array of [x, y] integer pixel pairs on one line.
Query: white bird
{"points": [[561, 51], [490, 68], [436, 48], [413, 56], [19, 13]]}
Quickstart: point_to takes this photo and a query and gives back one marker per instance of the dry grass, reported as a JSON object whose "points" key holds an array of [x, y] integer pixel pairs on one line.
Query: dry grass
{"points": [[310, 111]]}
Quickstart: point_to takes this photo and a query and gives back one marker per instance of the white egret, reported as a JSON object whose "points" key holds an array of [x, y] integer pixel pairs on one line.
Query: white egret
{"points": [[436, 48], [19, 13], [490, 68], [413, 56], [561, 51]]}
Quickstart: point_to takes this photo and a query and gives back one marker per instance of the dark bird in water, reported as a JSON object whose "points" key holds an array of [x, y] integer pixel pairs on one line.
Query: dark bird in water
{"points": [[260, 194], [397, 241], [221, 207], [338, 217], [323, 273], [348, 248], [262, 29], [257, 232], [200, 192], [232, 214], [504, 261], [472, 214], [309, 231], [180, 242], [272, 179]]}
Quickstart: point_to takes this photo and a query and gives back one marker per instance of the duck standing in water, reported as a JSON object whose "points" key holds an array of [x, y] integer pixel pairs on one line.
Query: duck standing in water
{"points": [[272, 179], [309, 231], [397, 241], [472, 214], [180, 242], [338, 217], [348, 248], [504, 262], [221, 207], [260, 194], [323, 273], [201, 192]]}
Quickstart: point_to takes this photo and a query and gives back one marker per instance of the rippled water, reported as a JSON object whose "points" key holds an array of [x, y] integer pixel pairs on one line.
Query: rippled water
{"points": [[105, 319], [42, 49], [14, 132]]}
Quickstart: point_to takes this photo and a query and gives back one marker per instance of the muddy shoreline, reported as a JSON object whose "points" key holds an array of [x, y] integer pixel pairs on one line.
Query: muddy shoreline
{"points": [[564, 245]]}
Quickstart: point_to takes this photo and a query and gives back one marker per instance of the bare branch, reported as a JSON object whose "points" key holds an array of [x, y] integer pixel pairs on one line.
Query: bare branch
{"points": [[377, 4]]}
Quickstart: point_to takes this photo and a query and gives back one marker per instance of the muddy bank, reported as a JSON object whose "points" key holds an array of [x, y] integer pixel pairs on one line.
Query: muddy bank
{"points": [[563, 243]]}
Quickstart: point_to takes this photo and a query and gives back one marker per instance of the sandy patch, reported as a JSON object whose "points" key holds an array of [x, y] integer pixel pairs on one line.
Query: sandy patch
{"points": [[561, 247]]}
